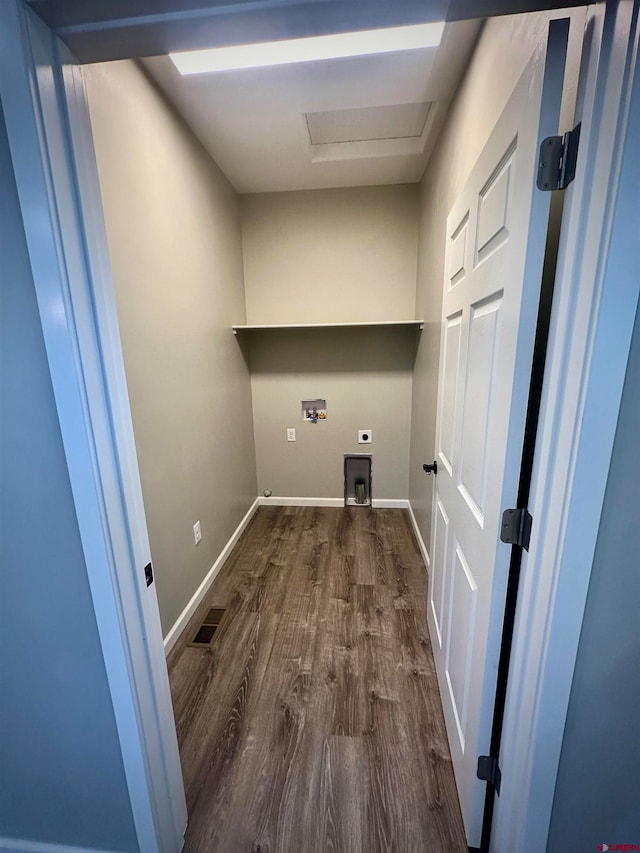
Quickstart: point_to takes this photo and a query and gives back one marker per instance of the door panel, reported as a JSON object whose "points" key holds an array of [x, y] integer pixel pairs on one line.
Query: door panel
{"points": [[459, 653], [458, 253], [451, 332], [496, 234], [438, 589], [493, 208], [483, 330]]}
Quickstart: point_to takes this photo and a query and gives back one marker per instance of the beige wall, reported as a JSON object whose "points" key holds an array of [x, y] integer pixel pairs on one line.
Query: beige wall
{"points": [[318, 256], [322, 256], [365, 376], [502, 52], [173, 228]]}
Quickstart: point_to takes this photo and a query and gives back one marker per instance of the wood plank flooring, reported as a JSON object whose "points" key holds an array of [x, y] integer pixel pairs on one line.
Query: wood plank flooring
{"points": [[313, 722]]}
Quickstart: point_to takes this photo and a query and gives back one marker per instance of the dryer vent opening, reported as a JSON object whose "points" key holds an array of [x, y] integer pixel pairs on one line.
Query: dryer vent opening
{"points": [[357, 479]]}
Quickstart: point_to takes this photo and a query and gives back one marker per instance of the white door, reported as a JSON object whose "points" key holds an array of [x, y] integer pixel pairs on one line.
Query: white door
{"points": [[495, 248]]}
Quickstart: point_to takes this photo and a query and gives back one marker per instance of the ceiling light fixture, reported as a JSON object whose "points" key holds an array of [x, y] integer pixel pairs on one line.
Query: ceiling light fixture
{"points": [[311, 49]]}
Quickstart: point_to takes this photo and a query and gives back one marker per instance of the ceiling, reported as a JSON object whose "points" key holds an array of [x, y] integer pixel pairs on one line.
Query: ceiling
{"points": [[101, 30], [332, 123], [370, 120]]}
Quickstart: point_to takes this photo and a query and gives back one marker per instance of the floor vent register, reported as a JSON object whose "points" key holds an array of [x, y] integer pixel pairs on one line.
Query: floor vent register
{"points": [[208, 628]]}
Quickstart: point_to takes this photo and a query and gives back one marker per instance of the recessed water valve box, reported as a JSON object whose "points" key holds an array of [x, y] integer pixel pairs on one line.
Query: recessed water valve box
{"points": [[314, 410]]}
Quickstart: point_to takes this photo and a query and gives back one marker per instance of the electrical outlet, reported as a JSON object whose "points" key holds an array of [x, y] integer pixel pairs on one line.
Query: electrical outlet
{"points": [[365, 436], [291, 434], [197, 532]]}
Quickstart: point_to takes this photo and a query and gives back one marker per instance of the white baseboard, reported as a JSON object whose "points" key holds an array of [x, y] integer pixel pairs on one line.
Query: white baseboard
{"points": [[190, 609], [278, 501], [390, 503], [421, 545], [19, 845], [378, 503]]}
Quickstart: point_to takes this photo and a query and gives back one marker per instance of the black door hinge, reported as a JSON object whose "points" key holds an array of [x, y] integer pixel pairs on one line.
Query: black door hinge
{"points": [[557, 162], [489, 771], [516, 527], [148, 574]]}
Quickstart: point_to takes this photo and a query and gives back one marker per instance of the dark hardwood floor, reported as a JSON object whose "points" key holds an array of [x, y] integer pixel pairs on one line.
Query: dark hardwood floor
{"points": [[313, 722]]}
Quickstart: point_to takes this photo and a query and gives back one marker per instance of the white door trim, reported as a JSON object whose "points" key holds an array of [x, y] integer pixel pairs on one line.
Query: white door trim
{"points": [[594, 309], [19, 845], [90, 392], [44, 106]]}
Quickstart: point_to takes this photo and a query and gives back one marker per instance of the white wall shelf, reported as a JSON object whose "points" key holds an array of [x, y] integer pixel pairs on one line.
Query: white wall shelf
{"points": [[411, 324]]}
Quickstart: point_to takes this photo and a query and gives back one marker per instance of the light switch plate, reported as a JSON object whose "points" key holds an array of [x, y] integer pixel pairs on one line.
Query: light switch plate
{"points": [[365, 436], [197, 532], [291, 434]]}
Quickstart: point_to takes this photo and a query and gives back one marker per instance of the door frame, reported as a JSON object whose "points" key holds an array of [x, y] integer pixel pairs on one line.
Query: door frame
{"points": [[62, 213], [47, 119], [595, 303]]}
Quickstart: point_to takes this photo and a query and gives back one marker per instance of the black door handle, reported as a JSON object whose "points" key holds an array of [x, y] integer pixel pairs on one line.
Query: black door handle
{"points": [[431, 469]]}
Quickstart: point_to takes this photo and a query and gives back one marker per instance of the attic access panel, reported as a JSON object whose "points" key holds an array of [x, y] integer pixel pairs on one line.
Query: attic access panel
{"points": [[367, 124]]}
